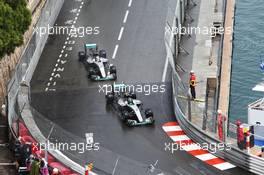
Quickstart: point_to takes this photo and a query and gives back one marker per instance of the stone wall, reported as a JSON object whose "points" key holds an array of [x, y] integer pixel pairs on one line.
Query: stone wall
{"points": [[9, 62]]}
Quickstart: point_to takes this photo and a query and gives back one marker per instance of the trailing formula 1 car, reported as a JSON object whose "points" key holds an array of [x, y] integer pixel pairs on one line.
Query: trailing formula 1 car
{"points": [[98, 66], [129, 108]]}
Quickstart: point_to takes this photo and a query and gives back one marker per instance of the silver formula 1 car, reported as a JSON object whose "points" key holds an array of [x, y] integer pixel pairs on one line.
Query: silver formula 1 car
{"points": [[97, 64], [128, 107]]}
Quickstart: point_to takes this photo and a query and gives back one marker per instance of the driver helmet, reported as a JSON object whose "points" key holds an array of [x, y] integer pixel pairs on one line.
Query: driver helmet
{"points": [[130, 101]]}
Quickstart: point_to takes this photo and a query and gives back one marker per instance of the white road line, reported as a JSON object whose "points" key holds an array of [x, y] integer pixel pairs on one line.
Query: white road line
{"points": [[60, 55], [65, 55], [66, 42], [165, 70], [56, 65], [64, 47], [115, 51], [54, 69], [79, 10], [54, 84], [81, 6], [82, 3], [167, 57], [130, 3], [115, 165], [74, 22], [76, 18], [62, 51], [58, 60], [50, 79], [77, 14], [125, 18], [67, 38], [48, 84], [120, 33], [46, 89]]}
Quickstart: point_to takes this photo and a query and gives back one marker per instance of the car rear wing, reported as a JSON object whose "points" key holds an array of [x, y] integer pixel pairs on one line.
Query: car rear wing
{"points": [[90, 46]]}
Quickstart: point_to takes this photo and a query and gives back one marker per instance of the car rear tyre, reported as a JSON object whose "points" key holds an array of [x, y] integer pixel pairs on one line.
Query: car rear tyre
{"points": [[113, 70], [102, 53], [81, 56], [114, 76], [109, 98], [149, 113]]}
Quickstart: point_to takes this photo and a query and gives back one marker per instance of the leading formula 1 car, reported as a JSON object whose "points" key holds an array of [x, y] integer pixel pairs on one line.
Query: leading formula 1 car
{"points": [[97, 63], [129, 108]]}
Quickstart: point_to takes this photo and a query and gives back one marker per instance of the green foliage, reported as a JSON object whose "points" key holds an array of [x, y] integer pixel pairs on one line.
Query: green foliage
{"points": [[15, 19]]}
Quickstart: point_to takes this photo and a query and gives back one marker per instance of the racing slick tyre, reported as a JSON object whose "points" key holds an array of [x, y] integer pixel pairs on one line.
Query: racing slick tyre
{"points": [[149, 113], [91, 72], [113, 70], [102, 53], [114, 76], [109, 98], [81, 56], [124, 116]]}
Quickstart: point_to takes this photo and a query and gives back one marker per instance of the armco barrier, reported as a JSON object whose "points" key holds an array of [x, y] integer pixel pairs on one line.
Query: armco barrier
{"points": [[18, 90], [242, 159]]}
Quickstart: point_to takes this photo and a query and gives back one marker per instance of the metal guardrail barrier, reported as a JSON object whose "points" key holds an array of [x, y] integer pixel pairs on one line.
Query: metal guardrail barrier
{"points": [[242, 159], [236, 156]]}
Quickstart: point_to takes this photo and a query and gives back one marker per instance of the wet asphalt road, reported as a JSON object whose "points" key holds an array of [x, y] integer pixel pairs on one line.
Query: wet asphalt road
{"points": [[77, 107]]}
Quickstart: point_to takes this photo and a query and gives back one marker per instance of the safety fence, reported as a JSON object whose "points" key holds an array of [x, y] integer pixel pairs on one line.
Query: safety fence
{"points": [[183, 111], [20, 117]]}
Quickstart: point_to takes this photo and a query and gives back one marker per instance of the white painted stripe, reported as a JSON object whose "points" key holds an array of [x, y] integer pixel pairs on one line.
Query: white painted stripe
{"points": [[81, 6], [76, 18], [54, 84], [46, 89], [58, 60], [50, 79], [79, 10], [205, 157], [64, 47], [126, 15], [224, 166], [82, 3], [130, 3], [62, 51], [67, 38], [56, 65], [180, 138], [60, 55], [165, 70], [65, 55], [77, 14], [115, 51], [74, 22], [120, 33], [48, 84], [171, 128], [191, 147]]}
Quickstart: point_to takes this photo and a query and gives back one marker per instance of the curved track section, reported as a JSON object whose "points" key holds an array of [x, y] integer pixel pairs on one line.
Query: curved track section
{"points": [[132, 32]]}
